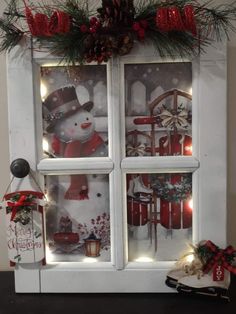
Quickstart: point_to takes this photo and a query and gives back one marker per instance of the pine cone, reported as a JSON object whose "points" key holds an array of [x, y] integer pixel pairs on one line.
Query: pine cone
{"points": [[116, 12], [125, 44]]}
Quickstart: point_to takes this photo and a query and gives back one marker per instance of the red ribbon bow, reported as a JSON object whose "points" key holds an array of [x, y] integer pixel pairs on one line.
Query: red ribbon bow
{"points": [[220, 257], [15, 206]]}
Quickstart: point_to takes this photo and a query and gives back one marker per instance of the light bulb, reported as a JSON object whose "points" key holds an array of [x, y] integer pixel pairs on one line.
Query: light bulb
{"points": [[144, 259], [45, 145], [43, 91]]}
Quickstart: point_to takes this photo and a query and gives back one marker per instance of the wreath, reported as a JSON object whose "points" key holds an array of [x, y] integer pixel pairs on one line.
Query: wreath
{"points": [[71, 30], [172, 192]]}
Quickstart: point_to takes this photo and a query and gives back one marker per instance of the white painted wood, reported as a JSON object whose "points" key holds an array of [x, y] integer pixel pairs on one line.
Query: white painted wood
{"points": [[25, 242], [159, 164], [108, 281], [75, 165], [116, 176], [22, 138], [212, 151]]}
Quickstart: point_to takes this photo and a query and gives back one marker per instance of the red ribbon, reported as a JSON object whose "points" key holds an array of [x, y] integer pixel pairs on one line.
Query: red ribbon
{"points": [[219, 257], [15, 206]]}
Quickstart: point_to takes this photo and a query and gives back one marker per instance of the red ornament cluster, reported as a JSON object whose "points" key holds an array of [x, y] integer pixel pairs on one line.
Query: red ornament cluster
{"points": [[41, 26], [140, 28], [172, 19]]}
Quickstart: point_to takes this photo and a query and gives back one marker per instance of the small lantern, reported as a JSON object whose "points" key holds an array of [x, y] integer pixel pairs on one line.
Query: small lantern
{"points": [[92, 246]]}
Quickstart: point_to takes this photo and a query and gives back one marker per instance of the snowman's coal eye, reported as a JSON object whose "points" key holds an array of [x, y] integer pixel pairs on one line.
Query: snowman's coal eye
{"points": [[76, 124], [87, 118]]}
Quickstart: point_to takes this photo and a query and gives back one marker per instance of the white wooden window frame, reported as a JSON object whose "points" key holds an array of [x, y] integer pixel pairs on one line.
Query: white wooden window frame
{"points": [[208, 165]]}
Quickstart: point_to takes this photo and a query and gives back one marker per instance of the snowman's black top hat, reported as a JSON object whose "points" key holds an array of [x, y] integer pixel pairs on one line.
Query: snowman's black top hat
{"points": [[61, 104]]}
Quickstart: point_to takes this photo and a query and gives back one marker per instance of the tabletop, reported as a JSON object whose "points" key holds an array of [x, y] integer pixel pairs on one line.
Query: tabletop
{"points": [[129, 303]]}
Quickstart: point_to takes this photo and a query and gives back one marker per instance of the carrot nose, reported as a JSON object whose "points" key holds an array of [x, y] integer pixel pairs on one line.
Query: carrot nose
{"points": [[86, 125]]}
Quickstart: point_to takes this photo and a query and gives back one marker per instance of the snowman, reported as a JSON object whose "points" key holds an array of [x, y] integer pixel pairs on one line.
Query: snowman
{"points": [[74, 135]]}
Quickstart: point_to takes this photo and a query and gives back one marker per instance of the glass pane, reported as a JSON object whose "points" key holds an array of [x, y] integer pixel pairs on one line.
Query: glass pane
{"points": [[78, 224], [74, 105], [159, 213], [158, 102]]}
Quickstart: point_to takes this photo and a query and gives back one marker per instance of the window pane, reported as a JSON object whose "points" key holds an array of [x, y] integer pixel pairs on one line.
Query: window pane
{"points": [[74, 104], [158, 102], [78, 224], [159, 214]]}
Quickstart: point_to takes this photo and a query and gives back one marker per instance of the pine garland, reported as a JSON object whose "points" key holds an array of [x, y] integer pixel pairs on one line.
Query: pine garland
{"points": [[76, 33]]}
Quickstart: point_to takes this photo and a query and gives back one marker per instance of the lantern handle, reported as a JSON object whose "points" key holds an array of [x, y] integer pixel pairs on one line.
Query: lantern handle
{"points": [[20, 168]]}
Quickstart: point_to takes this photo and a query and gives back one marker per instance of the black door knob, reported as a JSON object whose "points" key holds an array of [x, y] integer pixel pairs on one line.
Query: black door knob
{"points": [[20, 168]]}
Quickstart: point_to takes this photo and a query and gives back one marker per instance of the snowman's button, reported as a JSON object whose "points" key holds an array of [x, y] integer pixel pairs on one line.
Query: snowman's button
{"points": [[99, 194], [102, 153], [54, 99], [93, 149], [84, 187]]}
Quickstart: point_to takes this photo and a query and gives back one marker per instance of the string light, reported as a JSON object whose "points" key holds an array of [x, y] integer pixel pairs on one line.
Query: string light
{"points": [[43, 91], [90, 260], [144, 259]]}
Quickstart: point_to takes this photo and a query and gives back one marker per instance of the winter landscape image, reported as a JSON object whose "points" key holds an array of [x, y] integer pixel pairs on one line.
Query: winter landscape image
{"points": [[158, 117]]}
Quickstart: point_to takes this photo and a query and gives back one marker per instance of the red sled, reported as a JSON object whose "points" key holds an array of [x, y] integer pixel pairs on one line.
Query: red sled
{"points": [[175, 144], [66, 238], [170, 212], [137, 213]]}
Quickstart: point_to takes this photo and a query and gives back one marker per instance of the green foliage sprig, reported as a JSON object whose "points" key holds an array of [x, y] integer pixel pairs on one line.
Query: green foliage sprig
{"points": [[113, 36]]}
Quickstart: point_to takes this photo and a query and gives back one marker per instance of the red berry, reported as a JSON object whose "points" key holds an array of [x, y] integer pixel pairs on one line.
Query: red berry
{"points": [[92, 30], [136, 26], [141, 33], [97, 24], [93, 20], [83, 28], [144, 24]]}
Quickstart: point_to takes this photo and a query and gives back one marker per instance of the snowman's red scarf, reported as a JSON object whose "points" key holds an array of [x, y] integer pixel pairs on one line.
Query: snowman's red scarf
{"points": [[78, 189]]}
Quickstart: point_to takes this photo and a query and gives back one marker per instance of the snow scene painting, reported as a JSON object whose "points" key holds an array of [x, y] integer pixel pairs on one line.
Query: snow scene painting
{"points": [[159, 215], [158, 102], [158, 106], [158, 115], [74, 106]]}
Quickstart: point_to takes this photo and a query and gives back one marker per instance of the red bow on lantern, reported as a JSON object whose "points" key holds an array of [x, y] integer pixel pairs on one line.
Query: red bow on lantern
{"points": [[219, 257], [40, 25], [15, 206]]}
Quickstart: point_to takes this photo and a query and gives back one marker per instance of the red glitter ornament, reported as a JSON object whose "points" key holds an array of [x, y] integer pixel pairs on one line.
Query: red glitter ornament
{"points": [[30, 21], [59, 23], [189, 19], [175, 19], [162, 21], [41, 24]]}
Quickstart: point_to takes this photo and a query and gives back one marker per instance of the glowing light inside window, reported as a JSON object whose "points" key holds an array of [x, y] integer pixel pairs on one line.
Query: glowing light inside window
{"points": [[45, 145], [49, 255], [191, 203], [43, 91], [144, 259], [189, 148], [89, 260]]}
